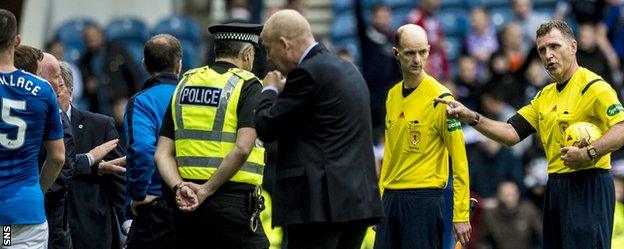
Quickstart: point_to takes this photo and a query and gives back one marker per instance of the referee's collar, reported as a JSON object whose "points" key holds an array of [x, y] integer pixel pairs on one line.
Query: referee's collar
{"points": [[561, 86]]}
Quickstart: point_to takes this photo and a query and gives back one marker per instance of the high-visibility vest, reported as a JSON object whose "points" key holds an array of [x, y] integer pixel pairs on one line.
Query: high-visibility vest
{"points": [[204, 108]]}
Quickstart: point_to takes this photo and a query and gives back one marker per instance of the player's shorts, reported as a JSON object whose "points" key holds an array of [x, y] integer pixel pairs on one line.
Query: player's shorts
{"points": [[578, 210], [413, 219], [30, 236]]}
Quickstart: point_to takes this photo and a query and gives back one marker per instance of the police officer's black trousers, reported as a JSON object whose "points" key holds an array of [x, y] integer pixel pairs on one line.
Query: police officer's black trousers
{"points": [[220, 222]]}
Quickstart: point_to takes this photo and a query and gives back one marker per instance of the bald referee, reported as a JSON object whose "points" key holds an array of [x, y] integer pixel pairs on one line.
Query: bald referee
{"points": [[419, 140]]}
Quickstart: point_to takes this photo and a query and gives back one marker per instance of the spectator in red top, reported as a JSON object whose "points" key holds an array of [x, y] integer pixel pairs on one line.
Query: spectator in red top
{"points": [[425, 16]]}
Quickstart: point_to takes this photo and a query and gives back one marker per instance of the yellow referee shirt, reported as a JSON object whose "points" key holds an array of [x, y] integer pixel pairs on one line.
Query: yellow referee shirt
{"points": [[419, 138], [586, 97]]}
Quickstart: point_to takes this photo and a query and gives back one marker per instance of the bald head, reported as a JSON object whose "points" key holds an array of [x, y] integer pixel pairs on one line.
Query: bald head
{"points": [[411, 33], [49, 65], [289, 24], [162, 54], [286, 36], [412, 51], [51, 71]]}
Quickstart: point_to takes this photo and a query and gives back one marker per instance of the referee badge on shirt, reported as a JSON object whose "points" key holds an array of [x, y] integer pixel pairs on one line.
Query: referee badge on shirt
{"points": [[563, 125], [414, 134]]}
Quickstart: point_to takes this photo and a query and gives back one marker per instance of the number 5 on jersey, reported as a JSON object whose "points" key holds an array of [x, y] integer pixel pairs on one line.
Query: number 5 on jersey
{"points": [[7, 105]]}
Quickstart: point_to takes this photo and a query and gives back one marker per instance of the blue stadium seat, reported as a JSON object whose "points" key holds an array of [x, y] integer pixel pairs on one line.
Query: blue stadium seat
{"points": [[343, 25], [189, 34], [399, 17], [544, 3], [453, 48], [546, 11], [190, 55], [401, 3], [70, 34], [132, 33], [181, 27], [369, 4], [73, 52], [490, 3], [455, 22], [452, 4], [500, 16], [135, 50], [343, 5], [351, 44], [573, 24], [454, 70], [127, 29]]}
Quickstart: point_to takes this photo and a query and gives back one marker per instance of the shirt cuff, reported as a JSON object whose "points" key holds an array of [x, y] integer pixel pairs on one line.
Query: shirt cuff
{"points": [[270, 88], [126, 225], [90, 159]]}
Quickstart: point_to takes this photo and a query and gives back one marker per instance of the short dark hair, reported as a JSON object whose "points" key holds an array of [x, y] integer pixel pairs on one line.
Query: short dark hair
{"points": [[562, 26], [228, 49], [26, 58], [8, 29], [162, 53]]}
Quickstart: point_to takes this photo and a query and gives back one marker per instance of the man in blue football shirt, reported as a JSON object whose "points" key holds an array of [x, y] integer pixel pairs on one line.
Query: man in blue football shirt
{"points": [[29, 117]]}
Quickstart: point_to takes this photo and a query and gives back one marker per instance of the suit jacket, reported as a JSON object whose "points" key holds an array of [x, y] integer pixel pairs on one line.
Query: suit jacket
{"points": [[56, 199], [59, 187], [95, 202], [325, 170]]}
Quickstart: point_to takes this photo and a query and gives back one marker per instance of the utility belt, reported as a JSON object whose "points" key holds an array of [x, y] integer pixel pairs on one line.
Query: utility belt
{"points": [[240, 195]]}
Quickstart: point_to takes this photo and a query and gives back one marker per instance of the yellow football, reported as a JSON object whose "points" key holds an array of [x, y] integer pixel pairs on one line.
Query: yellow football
{"points": [[581, 134]]}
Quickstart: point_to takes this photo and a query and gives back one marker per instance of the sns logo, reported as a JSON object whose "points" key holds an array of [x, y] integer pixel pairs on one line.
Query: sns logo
{"points": [[6, 235]]}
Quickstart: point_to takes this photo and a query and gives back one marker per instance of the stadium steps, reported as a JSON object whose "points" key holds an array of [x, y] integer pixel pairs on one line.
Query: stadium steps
{"points": [[319, 14]]}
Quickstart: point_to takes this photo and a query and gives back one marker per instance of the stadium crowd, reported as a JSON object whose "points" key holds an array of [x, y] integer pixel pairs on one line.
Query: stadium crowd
{"points": [[492, 68]]}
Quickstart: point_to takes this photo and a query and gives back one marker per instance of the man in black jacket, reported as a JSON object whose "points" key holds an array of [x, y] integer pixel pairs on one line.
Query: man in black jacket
{"points": [[379, 66], [325, 192]]}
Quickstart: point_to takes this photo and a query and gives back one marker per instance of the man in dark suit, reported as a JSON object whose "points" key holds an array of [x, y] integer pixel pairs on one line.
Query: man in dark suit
{"points": [[56, 197], [96, 200], [325, 192]]}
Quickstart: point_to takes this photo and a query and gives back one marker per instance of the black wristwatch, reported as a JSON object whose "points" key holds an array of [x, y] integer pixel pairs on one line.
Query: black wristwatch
{"points": [[476, 120]]}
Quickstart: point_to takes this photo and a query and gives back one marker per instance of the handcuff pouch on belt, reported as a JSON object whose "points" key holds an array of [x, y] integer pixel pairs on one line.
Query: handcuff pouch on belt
{"points": [[256, 205]]}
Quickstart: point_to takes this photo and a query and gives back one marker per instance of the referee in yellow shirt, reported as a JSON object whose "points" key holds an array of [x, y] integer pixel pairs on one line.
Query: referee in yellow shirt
{"points": [[579, 199], [415, 170]]}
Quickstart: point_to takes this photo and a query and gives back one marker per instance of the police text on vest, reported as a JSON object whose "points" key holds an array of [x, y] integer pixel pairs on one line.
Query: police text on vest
{"points": [[199, 95]]}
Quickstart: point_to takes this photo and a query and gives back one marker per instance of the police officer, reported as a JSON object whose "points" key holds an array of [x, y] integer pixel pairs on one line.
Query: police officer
{"points": [[207, 152]]}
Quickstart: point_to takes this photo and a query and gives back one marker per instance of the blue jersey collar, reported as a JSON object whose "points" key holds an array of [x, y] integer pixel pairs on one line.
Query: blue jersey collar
{"points": [[163, 78]]}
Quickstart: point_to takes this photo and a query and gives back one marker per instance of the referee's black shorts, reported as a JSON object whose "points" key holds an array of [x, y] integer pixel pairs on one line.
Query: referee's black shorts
{"points": [[578, 210], [413, 219]]}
